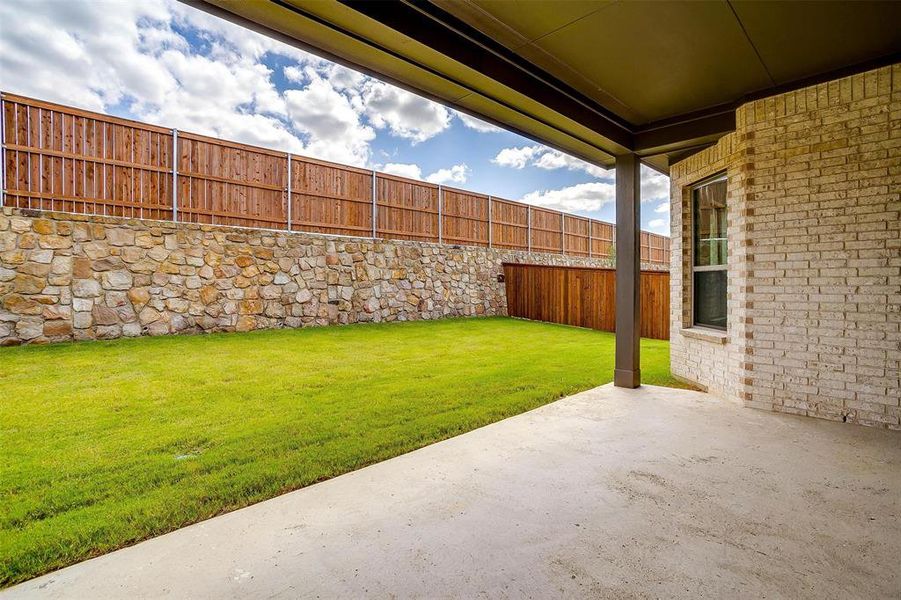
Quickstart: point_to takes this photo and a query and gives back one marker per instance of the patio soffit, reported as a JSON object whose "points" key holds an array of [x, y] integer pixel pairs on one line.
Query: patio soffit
{"points": [[593, 78]]}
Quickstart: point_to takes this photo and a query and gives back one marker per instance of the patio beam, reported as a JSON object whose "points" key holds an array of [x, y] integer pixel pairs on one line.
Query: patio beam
{"points": [[684, 133], [628, 271]]}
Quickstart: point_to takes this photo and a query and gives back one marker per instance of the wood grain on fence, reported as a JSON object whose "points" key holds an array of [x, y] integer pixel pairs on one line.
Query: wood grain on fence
{"points": [[69, 160], [509, 224], [407, 209], [230, 184], [583, 297], [465, 218], [577, 235], [655, 304], [65, 159], [547, 230], [602, 238], [330, 198]]}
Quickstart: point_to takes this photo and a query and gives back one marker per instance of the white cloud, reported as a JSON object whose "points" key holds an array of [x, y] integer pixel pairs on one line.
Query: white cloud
{"points": [[554, 159], [455, 174], [516, 158], [660, 226], [88, 54], [404, 114], [294, 73], [548, 159], [579, 198], [654, 186], [330, 120], [135, 59], [226, 37], [403, 170], [343, 78], [477, 124], [203, 87], [129, 57], [663, 207]]}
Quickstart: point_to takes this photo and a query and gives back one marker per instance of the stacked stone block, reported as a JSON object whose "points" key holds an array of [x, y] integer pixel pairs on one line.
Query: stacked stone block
{"points": [[74, 277]]}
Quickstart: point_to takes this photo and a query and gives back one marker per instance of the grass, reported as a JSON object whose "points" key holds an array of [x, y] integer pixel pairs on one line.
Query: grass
{"points": [[107, 443]]}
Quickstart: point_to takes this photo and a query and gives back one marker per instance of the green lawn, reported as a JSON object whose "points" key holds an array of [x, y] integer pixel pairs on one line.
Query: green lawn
{"points": [[108, 443]]}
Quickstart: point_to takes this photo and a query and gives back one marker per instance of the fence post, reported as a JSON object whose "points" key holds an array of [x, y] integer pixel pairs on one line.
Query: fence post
{"points": [[490, 233], [175, 174], [375, 210], [563, 232], [440, 211], [289, 191], [529, 224], [2, 150], [41, 162]]}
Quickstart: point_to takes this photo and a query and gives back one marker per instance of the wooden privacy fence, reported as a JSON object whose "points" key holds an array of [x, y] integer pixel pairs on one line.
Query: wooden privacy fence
{"points": [[584, 297], [65, 159]]}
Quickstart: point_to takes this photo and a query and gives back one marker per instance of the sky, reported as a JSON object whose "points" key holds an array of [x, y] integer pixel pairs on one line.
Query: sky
{"points": [[165, 63]]}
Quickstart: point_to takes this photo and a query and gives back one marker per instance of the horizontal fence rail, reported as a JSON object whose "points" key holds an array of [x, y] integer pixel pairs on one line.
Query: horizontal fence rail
{"points": [[583, 297], [65, 159]]}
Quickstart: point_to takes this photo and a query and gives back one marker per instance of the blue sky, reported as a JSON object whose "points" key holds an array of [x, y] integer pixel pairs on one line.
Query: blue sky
{"points": [[163, 62]]}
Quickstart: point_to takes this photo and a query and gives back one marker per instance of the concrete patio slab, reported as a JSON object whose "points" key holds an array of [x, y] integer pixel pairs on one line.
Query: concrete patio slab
{"points": [[610, 493]]}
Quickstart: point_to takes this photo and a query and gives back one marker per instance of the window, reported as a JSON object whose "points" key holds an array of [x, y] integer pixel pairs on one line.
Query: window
{"points": [[709, 272]]}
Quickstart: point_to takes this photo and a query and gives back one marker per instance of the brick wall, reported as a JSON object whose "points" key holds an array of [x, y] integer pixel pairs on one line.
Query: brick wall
{"points": [[706, 357], [74, 277], [814, 228]]}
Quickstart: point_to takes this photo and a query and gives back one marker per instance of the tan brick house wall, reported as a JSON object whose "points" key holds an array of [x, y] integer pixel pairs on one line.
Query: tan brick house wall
{"points": [[814, 229]]}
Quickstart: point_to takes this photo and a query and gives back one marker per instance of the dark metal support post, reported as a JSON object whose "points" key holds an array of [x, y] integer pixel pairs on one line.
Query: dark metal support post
{"points": [[628, 271]]}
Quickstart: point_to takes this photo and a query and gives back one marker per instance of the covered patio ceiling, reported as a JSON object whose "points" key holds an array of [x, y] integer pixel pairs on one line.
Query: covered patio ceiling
{"points": [[593, 78]]}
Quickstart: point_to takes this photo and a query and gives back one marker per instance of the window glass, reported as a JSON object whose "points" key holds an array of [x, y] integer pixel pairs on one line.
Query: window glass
{"points": [[710, 298], [709, 282], [710, 224]]}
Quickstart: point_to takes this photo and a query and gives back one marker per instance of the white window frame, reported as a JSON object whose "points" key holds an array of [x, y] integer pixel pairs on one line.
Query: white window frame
{"points": [[691, 207]]}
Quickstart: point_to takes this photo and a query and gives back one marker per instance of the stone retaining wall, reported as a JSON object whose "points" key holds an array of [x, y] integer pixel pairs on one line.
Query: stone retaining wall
{"points": [[74, 277]]}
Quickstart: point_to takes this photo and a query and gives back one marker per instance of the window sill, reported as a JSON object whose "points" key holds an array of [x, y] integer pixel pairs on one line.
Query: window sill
{"points": [[707, 335]]}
